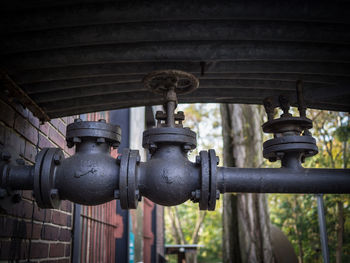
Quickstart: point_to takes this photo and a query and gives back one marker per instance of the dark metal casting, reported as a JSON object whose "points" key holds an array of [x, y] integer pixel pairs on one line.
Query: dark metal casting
{"points": [[91, 176]]}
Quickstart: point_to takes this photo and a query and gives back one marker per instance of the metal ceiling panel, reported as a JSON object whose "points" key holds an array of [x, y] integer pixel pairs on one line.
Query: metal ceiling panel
{"points": [[78, 56]]}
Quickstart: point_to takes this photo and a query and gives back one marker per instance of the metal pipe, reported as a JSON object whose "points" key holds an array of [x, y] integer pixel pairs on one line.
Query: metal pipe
{"points": [[323, 229], [283, 180], [18, 177]]}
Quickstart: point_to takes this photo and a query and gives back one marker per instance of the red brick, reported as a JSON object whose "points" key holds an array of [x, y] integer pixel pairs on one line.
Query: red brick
{"points": [[28, 194], [39, 250], [67, 250], [7, 113], [33, 120], [50, 233], [23, 209], [43, 215], [26, 129], [44, 142], [6, 226], [44, 128], [59, 218], [30, 151], [14, 141], [33, 230], [66, 206], [13, 250], [65, 235], [62, 127], [56, 137], [57, 250]]}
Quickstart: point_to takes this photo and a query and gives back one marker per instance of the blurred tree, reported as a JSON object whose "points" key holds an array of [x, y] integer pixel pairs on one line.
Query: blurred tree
{"points": [[246, 222]]}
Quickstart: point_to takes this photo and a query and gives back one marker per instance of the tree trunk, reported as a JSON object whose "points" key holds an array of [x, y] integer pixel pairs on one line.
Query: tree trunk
{"points": [[246, 221], [230, 242]]}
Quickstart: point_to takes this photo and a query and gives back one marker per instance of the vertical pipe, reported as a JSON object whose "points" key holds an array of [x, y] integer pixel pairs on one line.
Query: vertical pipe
{"points": [[323, 230]]}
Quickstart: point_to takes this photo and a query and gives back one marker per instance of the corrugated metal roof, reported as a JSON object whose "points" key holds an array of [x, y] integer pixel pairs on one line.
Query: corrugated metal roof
{"points": [[81, 56]]}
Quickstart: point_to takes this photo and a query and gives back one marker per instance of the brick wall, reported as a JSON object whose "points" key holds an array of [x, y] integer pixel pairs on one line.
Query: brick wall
{"points": [[28, 233]]}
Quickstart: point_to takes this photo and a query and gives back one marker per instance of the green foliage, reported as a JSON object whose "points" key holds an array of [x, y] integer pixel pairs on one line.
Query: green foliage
{"points": [[296, 215]]}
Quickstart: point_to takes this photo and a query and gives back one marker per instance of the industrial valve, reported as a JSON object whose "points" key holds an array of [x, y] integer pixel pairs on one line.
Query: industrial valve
{"points": [[91, 176], [292, 141]]}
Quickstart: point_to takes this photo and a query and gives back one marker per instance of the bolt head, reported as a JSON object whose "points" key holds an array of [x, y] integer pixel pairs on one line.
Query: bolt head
{"points": [[54, 193], [186, 147], [76, 140], [138, 159], [100, 140], [217, 194], [20, 162], [116, 194], [115, 145], [119, 158], [198, 159], [217, 160], [272, 159], [198, 194], [57, 159], [5, 156]]}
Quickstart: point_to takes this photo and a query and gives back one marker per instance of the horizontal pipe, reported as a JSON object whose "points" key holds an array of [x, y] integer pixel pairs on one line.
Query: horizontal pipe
{"points": [[20, 177], [283, 180]]}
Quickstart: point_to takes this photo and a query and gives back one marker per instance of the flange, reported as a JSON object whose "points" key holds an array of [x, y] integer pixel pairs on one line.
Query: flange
{"points": [[169, 135], [129, 194], [161, 81], [44, 177], [102, 131], [303, 144]]}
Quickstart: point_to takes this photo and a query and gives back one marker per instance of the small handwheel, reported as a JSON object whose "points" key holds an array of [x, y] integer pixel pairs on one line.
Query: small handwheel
{"points": [[163, 80]]}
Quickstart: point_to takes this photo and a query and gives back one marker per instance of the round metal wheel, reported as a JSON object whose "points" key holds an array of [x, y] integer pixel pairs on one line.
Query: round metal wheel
{"points": [[161, 81]]}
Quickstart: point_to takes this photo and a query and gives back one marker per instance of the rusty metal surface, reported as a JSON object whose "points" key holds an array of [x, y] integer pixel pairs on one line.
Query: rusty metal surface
{"points": [[81, 56]]}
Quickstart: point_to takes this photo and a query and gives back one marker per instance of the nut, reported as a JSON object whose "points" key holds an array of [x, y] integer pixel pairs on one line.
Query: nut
{"points": [[198, 159], [20, 161], [54, 194], [5, 156], [217, 194], [100, 140], [57, 159], [116, 194]]}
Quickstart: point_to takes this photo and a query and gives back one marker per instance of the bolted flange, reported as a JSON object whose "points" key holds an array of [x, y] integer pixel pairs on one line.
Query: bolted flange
{"points": [[128, 192], [208, 194], [101, 131], [47, 162]]}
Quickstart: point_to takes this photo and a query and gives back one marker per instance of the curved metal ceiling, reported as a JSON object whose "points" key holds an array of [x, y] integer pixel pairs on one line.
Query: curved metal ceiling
{"points": [[76, 56]]}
